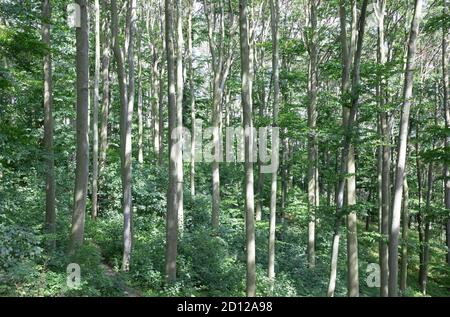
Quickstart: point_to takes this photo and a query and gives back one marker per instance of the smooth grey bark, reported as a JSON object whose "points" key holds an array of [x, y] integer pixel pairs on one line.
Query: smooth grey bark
{"points": [[348, 122], [274, 17], [423, 272], [313, 172], [126, 103], [402, 145], [447, 125], [82, 123], [50, 203], [405, 234], [95, 146], [385, 154], [192, 98], [140, 104], [179, 103], [106, 97], [172, 197], [161, 89], [221, 60], [155, 102], [246, 93], [126, 144]]}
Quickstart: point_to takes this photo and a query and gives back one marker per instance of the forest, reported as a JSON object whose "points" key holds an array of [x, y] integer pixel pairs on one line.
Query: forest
{"points": [[224, 148]]}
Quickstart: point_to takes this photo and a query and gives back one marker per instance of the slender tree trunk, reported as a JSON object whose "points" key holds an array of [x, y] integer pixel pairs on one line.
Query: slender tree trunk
{"points": [[50, 209], [161, 117], [313, 186], [447, 125], [172, 197], [401, 157], [349, 118], [106, 98], [140, 105], [221, 60], [423, 278], [246, 90], [275, 11], [82, 156], [192, 100], [420, 200], [155, 102], [179, 101], [405, 230], [95, 112], [380, 11]]}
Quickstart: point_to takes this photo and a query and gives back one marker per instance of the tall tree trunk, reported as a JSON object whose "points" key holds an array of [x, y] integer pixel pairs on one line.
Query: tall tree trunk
{"points": [[275, 11], [192, 96], [313, 186], [420, 200], [95, 112], [50, 210], [423, 278], [82, 156], [106, 98], [155, 102], [126, 145], [447, 139], [140, 105], [246, 92], [405, 229], [401, 157], [380, 11], [172, 197], [221, 60], [348, 122], [179, 100]]}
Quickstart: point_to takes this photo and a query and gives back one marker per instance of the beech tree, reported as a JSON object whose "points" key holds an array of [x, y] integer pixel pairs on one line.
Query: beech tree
{"points": [[82, 122], [401, 158], [50, 208]]}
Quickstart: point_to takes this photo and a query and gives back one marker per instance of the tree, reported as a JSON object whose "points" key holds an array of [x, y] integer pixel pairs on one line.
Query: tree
{"points": [[106, 97], [179, 100], [221, 61], [349, 117], [192, 97], [274, 14], [385, 154], [246, 95], [82, 155], [174, 152], [401, 158], [50, 210], [127, 103], [313, 171], [95, 112], [445, 81]]}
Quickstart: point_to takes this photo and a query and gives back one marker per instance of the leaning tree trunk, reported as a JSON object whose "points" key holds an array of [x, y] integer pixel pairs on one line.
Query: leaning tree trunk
{"points": [[246, 93], [401, 157], [50, 212], [82, 156]]}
